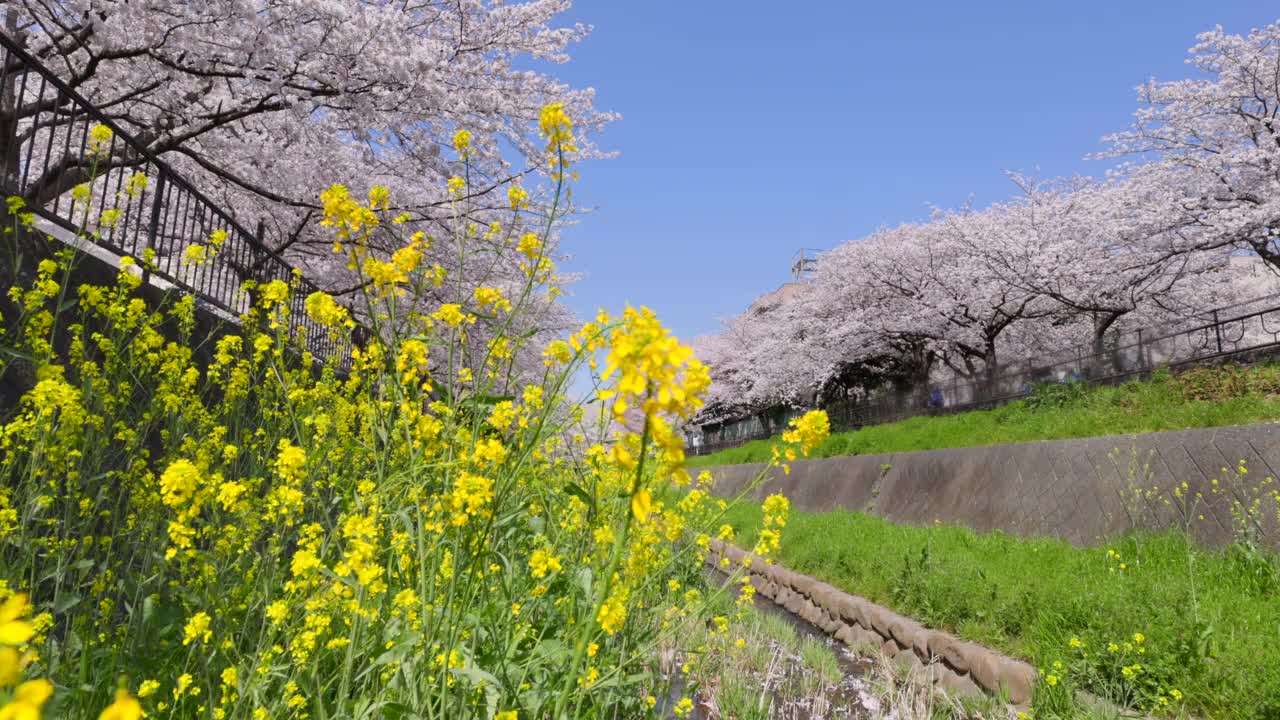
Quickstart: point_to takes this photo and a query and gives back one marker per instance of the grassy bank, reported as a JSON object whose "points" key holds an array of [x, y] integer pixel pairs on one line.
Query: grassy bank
{"points": [[1203, 397], [1146, 621]]}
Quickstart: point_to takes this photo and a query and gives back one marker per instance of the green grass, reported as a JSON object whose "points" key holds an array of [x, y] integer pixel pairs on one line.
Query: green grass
{"points": [[1203, 397], [1210, 619]]}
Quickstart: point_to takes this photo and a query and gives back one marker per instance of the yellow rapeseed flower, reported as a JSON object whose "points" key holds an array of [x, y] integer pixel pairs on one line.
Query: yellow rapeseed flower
{"points": [[179, 482], [197, 629], [276, 611], [530, 246], [379, 198], [80, 193], [517, 196], [125, 707], [322, 308], [136, 185], [451, 314], [490, 451], [275, 292], [641, 505], [13, 629], [10, 666], [195, 254], [556, 353], [502, 415], [27, 700], [612, 614], [491, 297], [462, 142], [290, 461], [776, 504], [653, 369], [808, 431], [469, 497], [557, 128], [344, 213], [542, 563], [100, 139]]}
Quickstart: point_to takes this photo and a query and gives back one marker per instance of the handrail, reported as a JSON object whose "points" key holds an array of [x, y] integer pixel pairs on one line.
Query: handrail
{"points": [[179, 214]]}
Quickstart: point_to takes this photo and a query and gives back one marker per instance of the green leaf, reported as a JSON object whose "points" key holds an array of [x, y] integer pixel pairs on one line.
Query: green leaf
{"points": [[397, 652], [486, 400], [479, 678], [148, 609], [390, 711], [576, 490], [618, 681], [66, 601], [537, 524], [551, 651], [17, 354]]}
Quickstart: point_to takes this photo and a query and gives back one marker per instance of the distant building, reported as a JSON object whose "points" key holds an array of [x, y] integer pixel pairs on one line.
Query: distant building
{"points": [[771, 301]]}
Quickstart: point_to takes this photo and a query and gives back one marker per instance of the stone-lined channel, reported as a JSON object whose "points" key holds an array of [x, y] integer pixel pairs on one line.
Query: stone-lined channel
{"points": [[847, 699]]}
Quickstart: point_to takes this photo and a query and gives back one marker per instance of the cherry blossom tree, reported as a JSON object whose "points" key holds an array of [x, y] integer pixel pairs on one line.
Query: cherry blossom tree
{"points": [[828, 338], [762, 357], [953, 282], [1214, 142], [1062, 263], [1102, 250], [265, 104]]}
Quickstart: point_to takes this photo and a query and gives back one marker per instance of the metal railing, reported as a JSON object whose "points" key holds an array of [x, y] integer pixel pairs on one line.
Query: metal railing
{"points": [[136, 204], [1244, 332]]}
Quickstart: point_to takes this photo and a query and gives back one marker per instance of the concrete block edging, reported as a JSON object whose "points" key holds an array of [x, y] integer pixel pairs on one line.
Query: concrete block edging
{"points": [[960, 667]]}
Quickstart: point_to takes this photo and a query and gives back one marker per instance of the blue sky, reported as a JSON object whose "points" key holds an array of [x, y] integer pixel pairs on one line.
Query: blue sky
{"points": [[751, 129]]}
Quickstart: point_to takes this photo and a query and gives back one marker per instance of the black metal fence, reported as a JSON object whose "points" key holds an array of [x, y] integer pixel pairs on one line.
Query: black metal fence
{"points": [[1244, 331], [117, 195]]}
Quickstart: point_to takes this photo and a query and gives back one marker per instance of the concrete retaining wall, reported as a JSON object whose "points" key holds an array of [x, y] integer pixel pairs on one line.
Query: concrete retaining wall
{"points": [[962, 668], [1083, 490]]}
